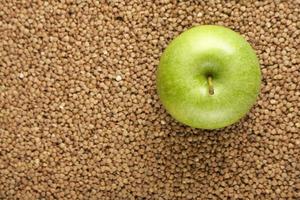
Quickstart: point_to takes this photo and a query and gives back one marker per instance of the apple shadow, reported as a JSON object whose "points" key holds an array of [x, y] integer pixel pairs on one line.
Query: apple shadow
{"points": [[194, 161]]}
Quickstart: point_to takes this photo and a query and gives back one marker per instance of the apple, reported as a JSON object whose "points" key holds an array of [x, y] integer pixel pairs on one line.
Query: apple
{"points": [[208, 77]]}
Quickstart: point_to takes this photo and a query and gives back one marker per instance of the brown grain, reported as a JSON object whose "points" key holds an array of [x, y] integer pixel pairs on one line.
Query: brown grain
{"points": [[80, 117]]}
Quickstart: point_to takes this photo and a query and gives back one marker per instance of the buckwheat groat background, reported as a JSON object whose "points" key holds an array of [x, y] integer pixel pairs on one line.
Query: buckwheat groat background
{"points": [[80, 117]]}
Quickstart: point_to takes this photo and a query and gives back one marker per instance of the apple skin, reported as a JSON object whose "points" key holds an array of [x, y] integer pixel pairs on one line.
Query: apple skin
{"points": [[202, 52]]}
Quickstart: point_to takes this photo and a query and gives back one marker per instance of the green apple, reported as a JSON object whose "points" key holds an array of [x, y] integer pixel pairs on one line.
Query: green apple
{"points": [[208, 77]]}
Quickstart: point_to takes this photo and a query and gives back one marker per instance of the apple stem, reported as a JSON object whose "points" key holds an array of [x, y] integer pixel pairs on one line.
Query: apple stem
{"points": [[210, 85]]}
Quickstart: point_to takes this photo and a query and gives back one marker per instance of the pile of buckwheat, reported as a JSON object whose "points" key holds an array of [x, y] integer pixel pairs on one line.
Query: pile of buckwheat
{"points": [[80, 117]]}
